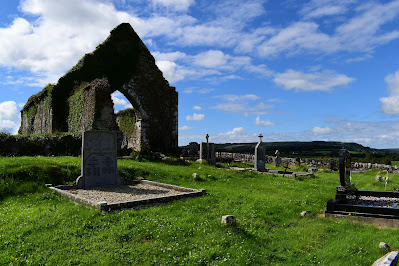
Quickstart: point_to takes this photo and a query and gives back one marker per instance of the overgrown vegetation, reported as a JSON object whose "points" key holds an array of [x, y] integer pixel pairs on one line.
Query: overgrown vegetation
{"points": [[40, 144], [76, 103], [126, 121], [44, 228]]}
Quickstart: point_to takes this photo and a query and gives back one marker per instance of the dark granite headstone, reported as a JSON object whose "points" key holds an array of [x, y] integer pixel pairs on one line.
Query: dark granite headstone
{"points": [[345, 171], [260, 154], [99, 159]]}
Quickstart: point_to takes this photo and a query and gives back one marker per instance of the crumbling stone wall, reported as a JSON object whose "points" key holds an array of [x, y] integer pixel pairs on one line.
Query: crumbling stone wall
{"points": [[37, 114], [81, 99]]}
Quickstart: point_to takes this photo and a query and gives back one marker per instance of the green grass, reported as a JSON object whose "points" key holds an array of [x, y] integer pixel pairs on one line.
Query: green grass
{"points": [[394, 162], [41, 227]]}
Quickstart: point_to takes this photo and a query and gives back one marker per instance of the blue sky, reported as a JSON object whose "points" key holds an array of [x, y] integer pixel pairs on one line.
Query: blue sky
{"points": [[291, 70]]}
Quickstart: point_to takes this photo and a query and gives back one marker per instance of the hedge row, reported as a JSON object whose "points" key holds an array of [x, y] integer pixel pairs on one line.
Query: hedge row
{"points": [[47, 145]]}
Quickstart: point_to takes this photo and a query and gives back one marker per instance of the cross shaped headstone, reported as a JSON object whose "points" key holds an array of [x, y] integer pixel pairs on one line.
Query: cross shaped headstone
{"points": [[260, 137], [207, 137]]}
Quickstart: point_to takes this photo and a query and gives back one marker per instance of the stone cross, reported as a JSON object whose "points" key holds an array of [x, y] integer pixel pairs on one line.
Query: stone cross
{"points": [[260, 137], [207, 138]]}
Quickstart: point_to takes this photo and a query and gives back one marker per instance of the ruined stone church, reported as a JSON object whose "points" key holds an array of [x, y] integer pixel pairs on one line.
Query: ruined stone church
{"points": [[81, 99]]}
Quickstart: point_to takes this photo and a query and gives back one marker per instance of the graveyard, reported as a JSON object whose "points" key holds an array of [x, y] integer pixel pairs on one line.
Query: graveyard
{"points": [[40, 226], [154, 206]]}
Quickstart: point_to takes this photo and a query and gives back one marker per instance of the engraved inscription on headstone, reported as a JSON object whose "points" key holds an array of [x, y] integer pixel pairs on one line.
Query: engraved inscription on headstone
{"points": [[99, 159]]}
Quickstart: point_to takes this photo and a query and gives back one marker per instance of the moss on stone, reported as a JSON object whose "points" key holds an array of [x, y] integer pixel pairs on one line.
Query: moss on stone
{"points": [[35, 99], [75, 106], [126, 120], [30, 116]]}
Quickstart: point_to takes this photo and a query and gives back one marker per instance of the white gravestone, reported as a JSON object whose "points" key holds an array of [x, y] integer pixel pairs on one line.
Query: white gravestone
{"points": [[99, 159]]}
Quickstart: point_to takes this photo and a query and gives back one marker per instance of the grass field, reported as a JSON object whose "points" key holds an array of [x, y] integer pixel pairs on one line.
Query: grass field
{"points": [[38, 227]]}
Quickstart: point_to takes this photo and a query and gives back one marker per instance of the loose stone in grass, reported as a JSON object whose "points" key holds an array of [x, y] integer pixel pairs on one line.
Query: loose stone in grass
{"points": [[312, 170], [195, 175], [304, 213], [228, 220], [378, 178], [384, 246]]}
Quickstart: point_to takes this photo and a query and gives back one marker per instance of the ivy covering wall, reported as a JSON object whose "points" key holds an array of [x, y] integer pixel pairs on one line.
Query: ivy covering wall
{"points": [[75, 106], [126, 120], [44, 98]]}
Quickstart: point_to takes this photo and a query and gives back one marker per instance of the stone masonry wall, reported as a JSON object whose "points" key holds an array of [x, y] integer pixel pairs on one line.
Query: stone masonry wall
{"points": [[81, 99]]}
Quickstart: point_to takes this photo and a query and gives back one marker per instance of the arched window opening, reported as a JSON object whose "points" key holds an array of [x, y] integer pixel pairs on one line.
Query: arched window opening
{"points": [[128, 120]]}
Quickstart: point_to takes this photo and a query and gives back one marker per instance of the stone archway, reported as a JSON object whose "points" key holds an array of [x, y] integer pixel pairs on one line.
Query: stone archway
{"points": [[80, 100]]}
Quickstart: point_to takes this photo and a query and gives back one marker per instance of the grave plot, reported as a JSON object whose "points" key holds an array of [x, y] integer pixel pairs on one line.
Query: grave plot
{"points": [[378, 207], [100, 186], [134, 195]]}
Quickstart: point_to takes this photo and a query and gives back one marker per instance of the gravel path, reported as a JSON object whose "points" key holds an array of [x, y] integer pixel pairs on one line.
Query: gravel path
{"points": [[124, 193], [376, 201]]}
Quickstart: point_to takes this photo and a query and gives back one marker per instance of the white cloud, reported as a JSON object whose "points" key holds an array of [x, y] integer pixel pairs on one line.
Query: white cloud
{"points": [[8, 110], [195, 117], [390, 104], [239, 104], [197, 108], [321, 130], [170, 70], [9, 117], [197, 90], [362, 33], [231, 107], [185, 128], [8, 126], [120, 102], [177, 5], [321, 8], [262, 123], [169, 56], [234, 97], [275, 100], [296, 37], [315, 81], [238, 134], [62, 32], [210, 59]]}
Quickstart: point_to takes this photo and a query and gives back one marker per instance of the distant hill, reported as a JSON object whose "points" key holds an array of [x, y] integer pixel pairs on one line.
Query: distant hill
{"points": [[296, 148]]}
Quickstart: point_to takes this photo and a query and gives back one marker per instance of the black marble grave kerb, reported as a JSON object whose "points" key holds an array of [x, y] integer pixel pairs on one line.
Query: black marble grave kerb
{"points": [[181, 193], [376, 207]]}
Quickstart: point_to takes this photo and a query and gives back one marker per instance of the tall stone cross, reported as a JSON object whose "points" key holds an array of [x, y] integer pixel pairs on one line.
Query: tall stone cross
{"points": [[207, 137], [260, 137]]}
